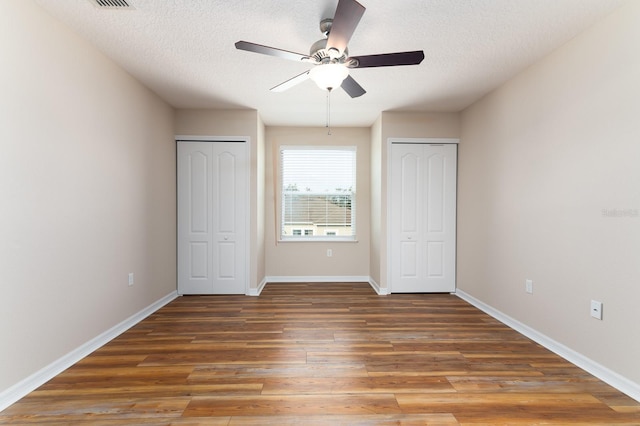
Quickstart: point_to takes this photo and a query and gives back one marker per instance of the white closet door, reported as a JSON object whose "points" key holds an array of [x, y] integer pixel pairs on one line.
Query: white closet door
{"points": [[423, 218], [212, 215]]}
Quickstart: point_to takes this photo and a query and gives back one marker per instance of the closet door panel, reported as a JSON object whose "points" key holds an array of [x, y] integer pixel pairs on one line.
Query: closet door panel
{"points": [[423, 215]]}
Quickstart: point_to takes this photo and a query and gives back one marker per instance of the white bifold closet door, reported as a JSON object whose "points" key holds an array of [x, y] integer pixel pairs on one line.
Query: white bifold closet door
{"points": [[423, 218], [212, 217]]}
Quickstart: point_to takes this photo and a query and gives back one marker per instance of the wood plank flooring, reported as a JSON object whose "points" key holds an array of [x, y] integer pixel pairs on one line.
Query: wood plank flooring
{"points": [[323, 354]]}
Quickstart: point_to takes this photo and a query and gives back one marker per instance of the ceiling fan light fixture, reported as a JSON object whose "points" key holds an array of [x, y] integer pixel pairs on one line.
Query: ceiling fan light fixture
{"points": [[328, 76]]}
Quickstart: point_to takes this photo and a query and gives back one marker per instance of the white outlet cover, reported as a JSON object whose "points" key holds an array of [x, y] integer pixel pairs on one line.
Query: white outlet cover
{"points": [[528, 285], [596, 309]]}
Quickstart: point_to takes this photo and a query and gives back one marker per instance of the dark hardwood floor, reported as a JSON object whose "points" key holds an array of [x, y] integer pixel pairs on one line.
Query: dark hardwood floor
{"points": [[323, 354]]}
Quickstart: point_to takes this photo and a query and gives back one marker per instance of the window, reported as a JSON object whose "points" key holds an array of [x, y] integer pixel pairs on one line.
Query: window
{"points": [[318, 193]]}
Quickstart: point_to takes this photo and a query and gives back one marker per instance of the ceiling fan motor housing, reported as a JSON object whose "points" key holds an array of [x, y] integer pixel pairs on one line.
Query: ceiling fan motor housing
{"points": [[321, 54]]}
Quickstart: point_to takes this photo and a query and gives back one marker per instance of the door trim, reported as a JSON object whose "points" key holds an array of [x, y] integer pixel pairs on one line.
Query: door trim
{"points": [[247, 152], [390, 142]]}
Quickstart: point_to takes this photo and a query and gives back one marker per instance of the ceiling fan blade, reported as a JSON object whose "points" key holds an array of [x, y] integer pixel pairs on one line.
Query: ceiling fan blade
{"points": [[389, 59], [271, 51], [345, 21], [291, 82], [352, 87]]}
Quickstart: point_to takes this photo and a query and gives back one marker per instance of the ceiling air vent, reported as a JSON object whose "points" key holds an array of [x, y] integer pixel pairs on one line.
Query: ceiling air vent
{"points": [[112, 4]]}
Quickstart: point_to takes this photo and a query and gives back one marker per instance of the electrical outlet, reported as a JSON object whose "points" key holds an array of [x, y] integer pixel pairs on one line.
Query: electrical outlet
{"points": [[130, 279], [596, 309], [528, 286], [329, 252]]}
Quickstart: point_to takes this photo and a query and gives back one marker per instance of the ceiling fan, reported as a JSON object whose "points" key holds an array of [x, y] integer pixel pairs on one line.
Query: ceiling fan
{"points": [[330, 55]]}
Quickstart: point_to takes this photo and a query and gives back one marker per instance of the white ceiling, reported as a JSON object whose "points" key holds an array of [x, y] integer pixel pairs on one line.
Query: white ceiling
{"points": [[184, 50]]}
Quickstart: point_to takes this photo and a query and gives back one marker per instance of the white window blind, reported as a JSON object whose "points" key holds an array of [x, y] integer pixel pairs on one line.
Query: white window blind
{"points": [[318, 193]]}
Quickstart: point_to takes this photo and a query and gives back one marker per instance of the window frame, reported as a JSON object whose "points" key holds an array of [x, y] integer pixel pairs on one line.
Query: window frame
{"points": [[319, 235]]}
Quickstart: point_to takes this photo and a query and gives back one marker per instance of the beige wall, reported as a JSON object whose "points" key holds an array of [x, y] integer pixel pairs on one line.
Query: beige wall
{"points": [[397, 125], [243, 123], [260, 208], [420, 125], [376, 201], [539, 160], [309, 259], [217, 122], [87, 193]]}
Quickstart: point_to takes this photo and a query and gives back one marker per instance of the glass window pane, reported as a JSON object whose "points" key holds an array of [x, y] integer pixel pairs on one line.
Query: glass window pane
{"points": [[318, 192]]}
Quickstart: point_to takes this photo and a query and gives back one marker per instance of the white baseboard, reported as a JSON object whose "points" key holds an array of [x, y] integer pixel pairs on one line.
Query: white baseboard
{"points": [[603, 373], [317, 279], [376, 287], [257, 291], [22, 388]]}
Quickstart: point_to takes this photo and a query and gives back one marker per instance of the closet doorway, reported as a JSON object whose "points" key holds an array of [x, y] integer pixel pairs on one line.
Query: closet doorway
{"points": [[212, 185], [423, 216]]}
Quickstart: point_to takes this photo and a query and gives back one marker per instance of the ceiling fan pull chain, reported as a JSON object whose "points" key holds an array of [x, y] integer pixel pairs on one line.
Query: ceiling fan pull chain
{"points": [[329, 112]]}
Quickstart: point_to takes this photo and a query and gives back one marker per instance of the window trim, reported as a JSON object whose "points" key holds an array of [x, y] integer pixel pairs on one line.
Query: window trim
{"points": [[319, 236]]}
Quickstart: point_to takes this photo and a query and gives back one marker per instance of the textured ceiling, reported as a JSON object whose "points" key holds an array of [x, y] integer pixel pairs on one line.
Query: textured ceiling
{"points": [[184, 50]]}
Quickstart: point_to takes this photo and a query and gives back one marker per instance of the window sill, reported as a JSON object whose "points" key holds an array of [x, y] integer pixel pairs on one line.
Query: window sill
{"points": [[317, 240]]}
